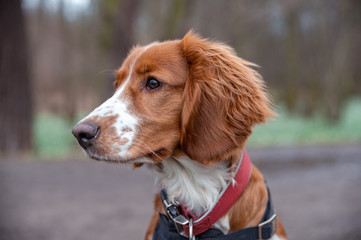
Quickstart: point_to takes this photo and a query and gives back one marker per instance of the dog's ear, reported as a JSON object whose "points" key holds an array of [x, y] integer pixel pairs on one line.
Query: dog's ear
{"points": [[223, 99]]}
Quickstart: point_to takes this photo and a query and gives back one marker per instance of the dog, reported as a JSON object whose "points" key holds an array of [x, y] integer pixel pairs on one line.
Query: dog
{"points": [[186, 108]]}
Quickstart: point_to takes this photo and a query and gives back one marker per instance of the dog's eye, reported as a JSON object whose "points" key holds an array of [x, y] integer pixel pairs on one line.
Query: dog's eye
{"points": [[152, 84]]}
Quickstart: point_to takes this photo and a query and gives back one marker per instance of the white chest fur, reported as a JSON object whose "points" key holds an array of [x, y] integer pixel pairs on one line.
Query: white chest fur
{"points": [[194, 185]]}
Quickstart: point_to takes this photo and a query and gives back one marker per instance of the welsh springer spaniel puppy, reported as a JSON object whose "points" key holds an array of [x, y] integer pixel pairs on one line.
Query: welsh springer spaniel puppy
{"points": [[186, 108]]}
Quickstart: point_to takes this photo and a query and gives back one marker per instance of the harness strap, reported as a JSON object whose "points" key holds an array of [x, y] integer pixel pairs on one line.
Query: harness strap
{"points": [[227, 198], [166, 229], [225, 201]]}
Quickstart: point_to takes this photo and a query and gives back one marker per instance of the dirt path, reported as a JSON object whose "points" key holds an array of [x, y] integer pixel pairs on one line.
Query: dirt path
{"points": [[315, 189]]}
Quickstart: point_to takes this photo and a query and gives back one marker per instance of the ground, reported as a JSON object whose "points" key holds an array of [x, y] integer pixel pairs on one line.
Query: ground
{"points": [[316, 191]]}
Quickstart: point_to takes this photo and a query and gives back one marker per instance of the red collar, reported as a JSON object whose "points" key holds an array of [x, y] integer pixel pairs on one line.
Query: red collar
{"points": [[226, 199]]}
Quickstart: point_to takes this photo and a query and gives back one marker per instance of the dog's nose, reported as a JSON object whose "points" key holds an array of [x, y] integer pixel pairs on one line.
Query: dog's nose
{"points": [[86, 133]]}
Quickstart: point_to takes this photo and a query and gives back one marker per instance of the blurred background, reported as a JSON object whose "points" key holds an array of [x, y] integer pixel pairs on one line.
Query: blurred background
{"points": [[57, 63]]}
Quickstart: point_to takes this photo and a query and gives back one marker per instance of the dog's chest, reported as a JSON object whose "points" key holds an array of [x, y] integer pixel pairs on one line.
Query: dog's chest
{"points": [[194, 185]]}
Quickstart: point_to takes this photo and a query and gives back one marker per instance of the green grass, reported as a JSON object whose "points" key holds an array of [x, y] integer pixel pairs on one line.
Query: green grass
{"points": [[287, 129], [53, 138]]}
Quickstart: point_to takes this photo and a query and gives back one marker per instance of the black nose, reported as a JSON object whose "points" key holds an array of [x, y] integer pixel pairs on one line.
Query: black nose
{"points": [[86, 133]]}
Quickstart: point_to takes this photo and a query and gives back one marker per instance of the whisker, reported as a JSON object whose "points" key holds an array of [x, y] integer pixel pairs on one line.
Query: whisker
{"points": [[145, 153], [151, 151], [145, 145], [106, 71]]}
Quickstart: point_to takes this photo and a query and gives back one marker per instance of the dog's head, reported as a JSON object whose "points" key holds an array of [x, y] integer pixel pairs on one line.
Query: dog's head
{"points": [[190, 95]]}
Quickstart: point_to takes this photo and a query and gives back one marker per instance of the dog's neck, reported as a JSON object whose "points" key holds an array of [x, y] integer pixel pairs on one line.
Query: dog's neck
{"points": [[196, 186], [192, 184]]}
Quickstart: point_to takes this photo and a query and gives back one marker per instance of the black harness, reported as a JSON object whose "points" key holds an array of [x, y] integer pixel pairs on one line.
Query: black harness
{"points": [[166, 229]]}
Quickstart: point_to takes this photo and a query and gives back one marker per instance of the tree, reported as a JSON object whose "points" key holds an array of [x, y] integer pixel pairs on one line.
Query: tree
{"points": [[15, 93], [117, 34]]}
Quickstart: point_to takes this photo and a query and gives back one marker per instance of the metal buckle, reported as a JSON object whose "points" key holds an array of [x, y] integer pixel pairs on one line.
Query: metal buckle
{"points": [[271, 220], [191, 237], [178, 219]]}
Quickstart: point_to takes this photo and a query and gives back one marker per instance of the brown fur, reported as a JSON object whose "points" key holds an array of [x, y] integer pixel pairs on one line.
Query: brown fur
{"points": [[223, 99]]}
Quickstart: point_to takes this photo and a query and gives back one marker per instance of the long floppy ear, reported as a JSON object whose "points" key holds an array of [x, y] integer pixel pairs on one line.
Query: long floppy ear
{"points": [[223, 99]]}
